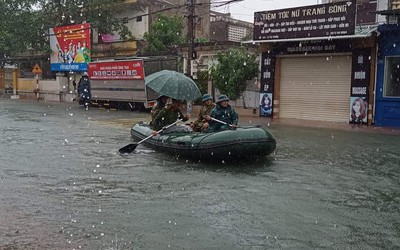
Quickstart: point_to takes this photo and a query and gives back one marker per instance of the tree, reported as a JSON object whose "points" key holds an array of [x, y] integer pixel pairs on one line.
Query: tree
{"points": [[25, 23], [17, 28], [232, 71], [164, 33]]}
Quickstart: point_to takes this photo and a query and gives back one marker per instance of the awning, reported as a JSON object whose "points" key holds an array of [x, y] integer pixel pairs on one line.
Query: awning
{"points": [[389, 12], [360, 32]]}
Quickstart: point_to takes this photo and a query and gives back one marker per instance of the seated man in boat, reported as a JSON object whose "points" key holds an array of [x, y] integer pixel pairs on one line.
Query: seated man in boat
{"points": [[168, 115], [201, 123], [225, 114], [161, 101]]}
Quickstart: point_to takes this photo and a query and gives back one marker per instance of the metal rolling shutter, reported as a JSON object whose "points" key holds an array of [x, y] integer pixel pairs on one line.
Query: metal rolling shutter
{"points": [[315, 88]]}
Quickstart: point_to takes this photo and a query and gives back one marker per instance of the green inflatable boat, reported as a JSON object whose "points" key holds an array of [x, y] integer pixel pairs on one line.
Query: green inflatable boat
{"points": [[228, 145]]}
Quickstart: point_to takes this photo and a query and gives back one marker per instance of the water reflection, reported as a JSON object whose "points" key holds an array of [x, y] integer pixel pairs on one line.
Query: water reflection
{"points": [[322, 188]]}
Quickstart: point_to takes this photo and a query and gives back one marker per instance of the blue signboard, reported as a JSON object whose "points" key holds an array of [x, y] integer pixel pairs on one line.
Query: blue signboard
{"points": [[75, 67]]}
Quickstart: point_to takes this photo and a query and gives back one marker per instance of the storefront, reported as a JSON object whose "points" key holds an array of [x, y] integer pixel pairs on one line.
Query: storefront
{"points": [[316, 65], [388, 77]]}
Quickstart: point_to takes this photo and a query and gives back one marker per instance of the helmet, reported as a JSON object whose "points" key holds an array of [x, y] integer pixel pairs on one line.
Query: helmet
{"points": [[222, 98], [206, 97]]}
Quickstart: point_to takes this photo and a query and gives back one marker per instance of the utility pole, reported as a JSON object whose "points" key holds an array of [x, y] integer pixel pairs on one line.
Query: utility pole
{"points": [[191, 34]]}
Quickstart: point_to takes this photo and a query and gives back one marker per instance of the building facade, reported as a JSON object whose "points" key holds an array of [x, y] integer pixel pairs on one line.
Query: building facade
{"points": [[139, 16], [224, 28], [388, 72], [317, 63]]}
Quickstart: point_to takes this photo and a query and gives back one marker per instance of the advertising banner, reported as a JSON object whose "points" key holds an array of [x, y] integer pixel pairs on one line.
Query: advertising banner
{"points": [[361, 75], [70, 47], [333, 19], [116, 70], [267, 83]]}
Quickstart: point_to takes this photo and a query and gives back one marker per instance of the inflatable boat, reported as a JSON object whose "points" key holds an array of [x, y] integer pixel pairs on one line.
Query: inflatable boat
{"points": [[228, 145]]}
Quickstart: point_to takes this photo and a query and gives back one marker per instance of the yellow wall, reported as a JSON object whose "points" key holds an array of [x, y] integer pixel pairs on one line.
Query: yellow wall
{"points": [[26, 84]]}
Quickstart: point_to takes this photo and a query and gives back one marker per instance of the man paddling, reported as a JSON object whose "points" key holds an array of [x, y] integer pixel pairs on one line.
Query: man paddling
{"points": [[225, 113], [169, 115]]}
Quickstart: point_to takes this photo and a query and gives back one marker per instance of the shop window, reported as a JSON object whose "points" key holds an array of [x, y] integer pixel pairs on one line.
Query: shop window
{"points": [[391, 86]]}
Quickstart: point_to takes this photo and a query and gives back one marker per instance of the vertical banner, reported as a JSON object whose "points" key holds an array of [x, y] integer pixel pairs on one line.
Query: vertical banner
{"points": [[267, 83], [360, 80], [70, 47]]}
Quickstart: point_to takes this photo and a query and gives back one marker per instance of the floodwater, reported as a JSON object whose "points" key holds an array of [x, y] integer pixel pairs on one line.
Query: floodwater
{"points": [[64, 186]]}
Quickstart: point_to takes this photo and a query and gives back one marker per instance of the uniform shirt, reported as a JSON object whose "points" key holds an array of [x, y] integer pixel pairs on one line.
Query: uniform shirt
{"points": [[166, 117], [227, 115], [205, 110]]}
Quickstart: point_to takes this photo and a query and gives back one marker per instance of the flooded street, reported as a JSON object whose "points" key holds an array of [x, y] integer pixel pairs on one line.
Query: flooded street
{"points": [[64, 186]]}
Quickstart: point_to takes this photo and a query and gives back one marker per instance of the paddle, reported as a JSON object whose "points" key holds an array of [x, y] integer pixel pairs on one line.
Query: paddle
{"points": [[131, 147], [233, 126]]}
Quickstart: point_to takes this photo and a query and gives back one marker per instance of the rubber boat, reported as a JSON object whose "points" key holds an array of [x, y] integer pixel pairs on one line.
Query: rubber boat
{"points": [[229, 145]]}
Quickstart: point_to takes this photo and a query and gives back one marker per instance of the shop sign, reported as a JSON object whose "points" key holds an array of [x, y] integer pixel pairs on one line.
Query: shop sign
{"points": [[313, 47], [267, 83], [360, 80], [324, 20], [116, 70]]}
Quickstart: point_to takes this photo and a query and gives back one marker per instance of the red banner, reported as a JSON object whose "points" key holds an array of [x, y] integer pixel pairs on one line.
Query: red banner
{"points": [[116, 70]]}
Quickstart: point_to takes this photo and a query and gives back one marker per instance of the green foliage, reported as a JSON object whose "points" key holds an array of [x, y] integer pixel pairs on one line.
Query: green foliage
{"points": [[233, 69], [201, 40], [164, 33], [16, 29]]}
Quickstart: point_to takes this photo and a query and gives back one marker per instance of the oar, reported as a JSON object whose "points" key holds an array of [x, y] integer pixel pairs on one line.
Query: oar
{"points": [[131, 147], [233, 126]]}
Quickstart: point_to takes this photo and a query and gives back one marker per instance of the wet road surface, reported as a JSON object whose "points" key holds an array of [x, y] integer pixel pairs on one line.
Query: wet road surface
{"points": [[64, 186]]}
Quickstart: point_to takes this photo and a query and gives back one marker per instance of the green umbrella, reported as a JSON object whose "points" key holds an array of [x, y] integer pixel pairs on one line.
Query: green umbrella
{"points": [[173, 84]]}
